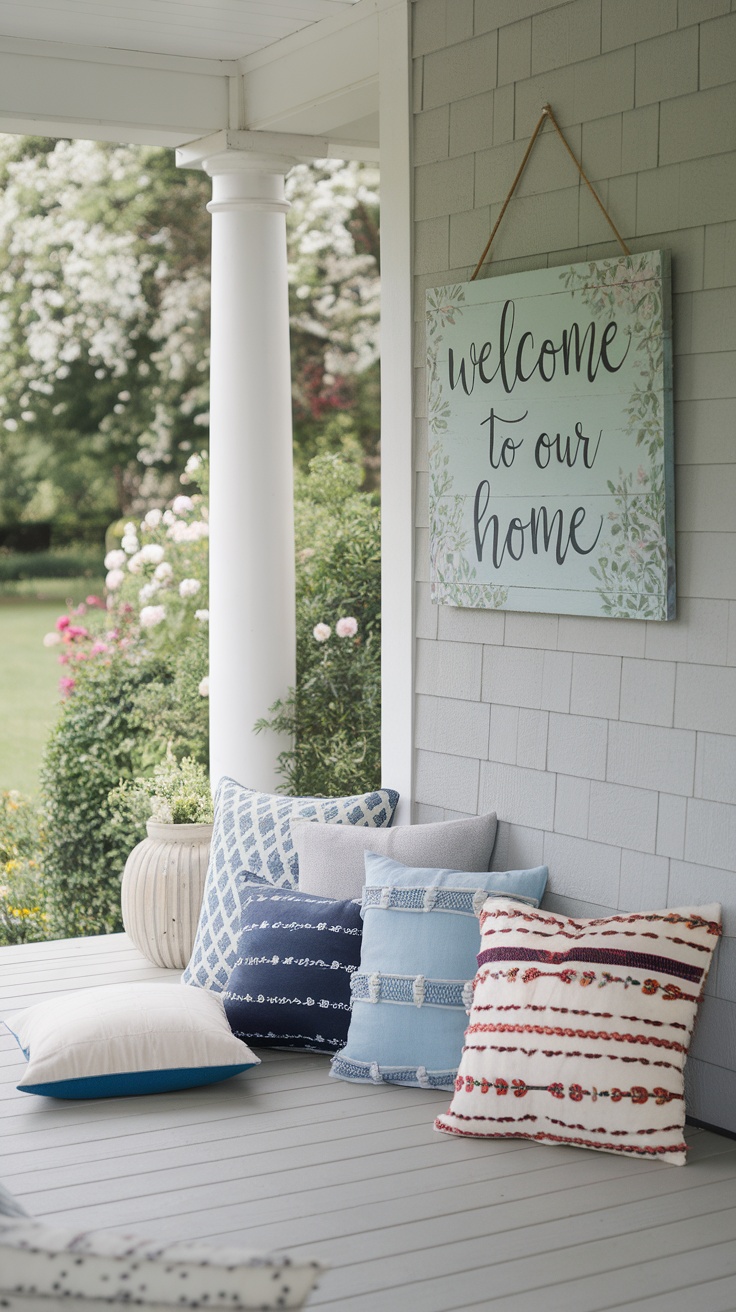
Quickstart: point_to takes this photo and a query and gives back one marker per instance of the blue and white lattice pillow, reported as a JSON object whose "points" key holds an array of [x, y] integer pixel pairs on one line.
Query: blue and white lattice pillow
{"points": [[252, 845]]}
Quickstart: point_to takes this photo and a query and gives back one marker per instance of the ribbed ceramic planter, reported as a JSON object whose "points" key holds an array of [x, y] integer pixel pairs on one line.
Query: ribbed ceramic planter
{"points": [[161, 894]]}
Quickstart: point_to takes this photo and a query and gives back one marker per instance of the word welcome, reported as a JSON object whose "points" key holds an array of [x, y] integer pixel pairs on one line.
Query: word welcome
{"points": [[517, 362]]}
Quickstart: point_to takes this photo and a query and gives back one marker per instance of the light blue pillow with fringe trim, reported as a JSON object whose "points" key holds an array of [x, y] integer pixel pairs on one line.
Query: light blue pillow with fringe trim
{"points": [[413, 990]]}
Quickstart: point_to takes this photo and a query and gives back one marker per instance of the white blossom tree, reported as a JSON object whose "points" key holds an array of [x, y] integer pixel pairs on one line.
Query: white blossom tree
{"points": [[104, 333]]}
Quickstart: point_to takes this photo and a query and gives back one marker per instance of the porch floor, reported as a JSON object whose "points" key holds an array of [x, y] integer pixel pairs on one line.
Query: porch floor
{"points": [[409, 1220]]}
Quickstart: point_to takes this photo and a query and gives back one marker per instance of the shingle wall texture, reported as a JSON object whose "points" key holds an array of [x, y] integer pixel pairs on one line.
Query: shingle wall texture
{"points": [[608, 746]]}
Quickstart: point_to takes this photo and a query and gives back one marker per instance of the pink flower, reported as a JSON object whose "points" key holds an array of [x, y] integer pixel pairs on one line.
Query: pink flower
{"points": [[321, 632], [62, 623], [347, 627], [77, 631], [66, 684], [81, 609], [97, 648], [94, 601]]}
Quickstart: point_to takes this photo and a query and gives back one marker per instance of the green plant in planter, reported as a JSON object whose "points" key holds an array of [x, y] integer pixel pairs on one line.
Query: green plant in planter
{"points": [[178, 793]]}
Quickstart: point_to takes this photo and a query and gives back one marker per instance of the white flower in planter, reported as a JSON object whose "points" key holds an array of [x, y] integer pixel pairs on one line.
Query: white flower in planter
{"points": [[148, 591], [114, 579], [135, 564], [347, 627], [203, 616], [163, 572], [204, 687], [152, 518], [129, 543], [321, 632], [115, 559], [181, 504], [151, 616], [189, 588]]}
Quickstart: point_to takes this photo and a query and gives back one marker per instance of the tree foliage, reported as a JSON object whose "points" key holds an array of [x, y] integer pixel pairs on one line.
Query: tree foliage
{"points": [[103, 272], [104, 335]]}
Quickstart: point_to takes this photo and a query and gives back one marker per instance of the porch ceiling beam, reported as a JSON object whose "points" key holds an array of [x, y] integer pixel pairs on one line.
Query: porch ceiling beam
{"points": [[294, 144], [319, 78], [110, 95]]}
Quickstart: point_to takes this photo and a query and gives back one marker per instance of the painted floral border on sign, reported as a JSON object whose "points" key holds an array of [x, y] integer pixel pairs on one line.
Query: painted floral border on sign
{"points": [[630, 566]]}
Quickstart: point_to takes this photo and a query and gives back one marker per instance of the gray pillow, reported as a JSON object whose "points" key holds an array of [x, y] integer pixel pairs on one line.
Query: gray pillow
{"points": [[9, 1206], [331, 856]]}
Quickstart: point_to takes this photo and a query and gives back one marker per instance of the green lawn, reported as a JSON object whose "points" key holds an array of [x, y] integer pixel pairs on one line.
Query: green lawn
{"points": [[29, 676]]}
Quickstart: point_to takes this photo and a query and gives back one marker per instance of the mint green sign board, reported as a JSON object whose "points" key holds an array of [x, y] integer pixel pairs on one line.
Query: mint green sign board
{"points": [[550, 436]]}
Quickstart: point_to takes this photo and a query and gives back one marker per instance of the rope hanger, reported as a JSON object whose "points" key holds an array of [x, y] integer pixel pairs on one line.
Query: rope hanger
{"points": [[548, 114]]}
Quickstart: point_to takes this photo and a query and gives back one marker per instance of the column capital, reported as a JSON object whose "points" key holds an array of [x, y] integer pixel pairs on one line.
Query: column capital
{"points": [[245, 173], [247, 182], [291, 146]]}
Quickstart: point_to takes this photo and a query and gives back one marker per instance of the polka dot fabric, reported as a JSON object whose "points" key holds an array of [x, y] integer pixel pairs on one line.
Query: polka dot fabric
{"points": [[39, 1262]]}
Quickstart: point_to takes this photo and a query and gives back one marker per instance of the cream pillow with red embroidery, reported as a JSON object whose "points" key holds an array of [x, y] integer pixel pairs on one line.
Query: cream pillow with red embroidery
{"points": [[579, 1029]]}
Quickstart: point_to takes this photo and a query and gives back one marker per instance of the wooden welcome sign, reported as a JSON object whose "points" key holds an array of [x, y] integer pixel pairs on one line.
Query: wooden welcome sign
{"points": [[550, 422]]}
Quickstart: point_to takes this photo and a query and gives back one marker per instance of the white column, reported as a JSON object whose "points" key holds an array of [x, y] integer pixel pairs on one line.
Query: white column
{"points": [[252, 624]]}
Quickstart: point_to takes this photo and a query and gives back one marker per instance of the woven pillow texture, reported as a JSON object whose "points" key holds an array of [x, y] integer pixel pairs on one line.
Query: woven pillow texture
{"points": [[252, 845], [413, 990], [331, 857], [42, 1266], [125, 1039], [579, 1029], [290, 987]]}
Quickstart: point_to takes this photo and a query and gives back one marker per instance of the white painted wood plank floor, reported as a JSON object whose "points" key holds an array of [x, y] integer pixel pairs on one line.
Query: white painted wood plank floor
{"points": [[410, 1220]]}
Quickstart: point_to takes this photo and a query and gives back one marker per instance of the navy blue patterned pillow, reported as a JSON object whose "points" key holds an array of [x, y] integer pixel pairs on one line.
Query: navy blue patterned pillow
{"points": [[290, 986]]}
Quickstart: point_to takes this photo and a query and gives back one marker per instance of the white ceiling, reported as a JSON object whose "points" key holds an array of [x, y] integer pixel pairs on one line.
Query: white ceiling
{"points": [[209, 29]]}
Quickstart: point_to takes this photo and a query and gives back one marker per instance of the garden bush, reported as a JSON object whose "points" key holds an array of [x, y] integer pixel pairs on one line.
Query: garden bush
{"points": [[334, 714], [58, 563], [135, 675], [23, 917], [98, 740]]}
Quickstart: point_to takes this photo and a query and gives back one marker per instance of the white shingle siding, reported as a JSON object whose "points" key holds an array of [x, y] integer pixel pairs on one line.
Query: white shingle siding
{"points": [[608, 747]]}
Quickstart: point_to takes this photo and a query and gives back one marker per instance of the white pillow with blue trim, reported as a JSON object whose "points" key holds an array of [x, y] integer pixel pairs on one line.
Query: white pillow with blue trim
{"points": [[414, 988], [252, 845], [124, 1039]]}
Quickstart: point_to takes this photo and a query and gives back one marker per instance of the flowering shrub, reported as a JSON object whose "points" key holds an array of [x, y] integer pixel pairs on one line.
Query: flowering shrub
{"points": [[23, 917], [132, 677], [159, 572], [334, 713]]}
